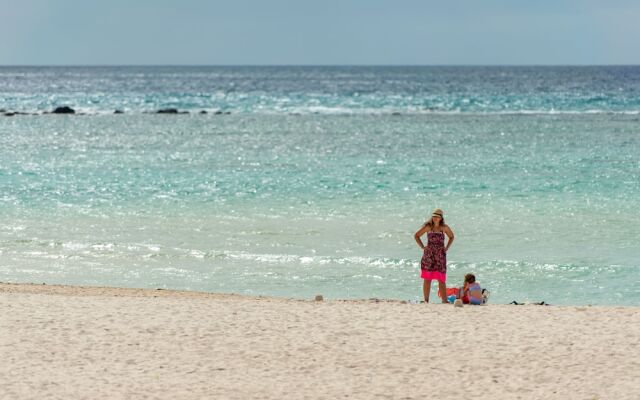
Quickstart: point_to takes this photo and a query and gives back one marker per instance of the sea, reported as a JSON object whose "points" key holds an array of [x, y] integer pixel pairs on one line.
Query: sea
{"points": [[297, 181]]}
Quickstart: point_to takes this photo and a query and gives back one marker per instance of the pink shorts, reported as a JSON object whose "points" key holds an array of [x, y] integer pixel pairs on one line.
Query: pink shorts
{"points": [[433, 275]]}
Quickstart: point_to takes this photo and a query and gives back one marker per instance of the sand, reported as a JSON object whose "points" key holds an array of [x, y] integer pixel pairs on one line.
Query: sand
{"points": [[61, 342]]}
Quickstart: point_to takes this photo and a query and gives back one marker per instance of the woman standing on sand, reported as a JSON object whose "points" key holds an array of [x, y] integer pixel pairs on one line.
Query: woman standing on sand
{"points": [[434, 258]]}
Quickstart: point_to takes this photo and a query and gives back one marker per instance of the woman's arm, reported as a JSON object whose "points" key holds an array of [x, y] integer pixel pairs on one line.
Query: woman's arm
{"points": [[449, 233], [420, 232]]}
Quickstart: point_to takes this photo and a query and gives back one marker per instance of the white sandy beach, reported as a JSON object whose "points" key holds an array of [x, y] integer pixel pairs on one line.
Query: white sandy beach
{"points": [[60, 342]]}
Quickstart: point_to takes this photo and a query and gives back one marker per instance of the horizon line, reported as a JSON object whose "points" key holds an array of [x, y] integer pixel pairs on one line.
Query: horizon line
{"points": [[315, 65]]}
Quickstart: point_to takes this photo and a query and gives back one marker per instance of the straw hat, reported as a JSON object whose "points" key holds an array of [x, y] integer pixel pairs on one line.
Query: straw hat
{"points": [[437, 213]]}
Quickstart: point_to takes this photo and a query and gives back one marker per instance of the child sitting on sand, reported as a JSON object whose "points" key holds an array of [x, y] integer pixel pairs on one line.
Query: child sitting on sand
{"points": [[472, 292]]}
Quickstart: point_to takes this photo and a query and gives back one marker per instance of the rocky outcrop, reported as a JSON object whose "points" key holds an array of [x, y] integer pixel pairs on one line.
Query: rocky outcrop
{"points": [[12, 113], [63, 110], [167, 111]]}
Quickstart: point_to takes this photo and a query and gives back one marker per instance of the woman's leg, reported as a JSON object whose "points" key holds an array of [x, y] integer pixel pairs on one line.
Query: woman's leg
{"points": [[426, 288], [443, 291]]}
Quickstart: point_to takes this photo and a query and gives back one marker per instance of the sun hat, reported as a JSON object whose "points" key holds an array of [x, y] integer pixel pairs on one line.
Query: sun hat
{"points": [[437, 213]]}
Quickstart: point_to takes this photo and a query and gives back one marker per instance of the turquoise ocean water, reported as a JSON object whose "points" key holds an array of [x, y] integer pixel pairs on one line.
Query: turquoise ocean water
{"points": [[314, 179]]}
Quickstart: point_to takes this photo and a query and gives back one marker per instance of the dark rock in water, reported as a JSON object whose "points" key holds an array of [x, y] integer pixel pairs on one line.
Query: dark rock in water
{"points": [[12, 113], [396, 114], [218, 112], [183, 112], [227, 112], [2, 110], [203, 112], [167, 111], [64, 110], [118, 112]]}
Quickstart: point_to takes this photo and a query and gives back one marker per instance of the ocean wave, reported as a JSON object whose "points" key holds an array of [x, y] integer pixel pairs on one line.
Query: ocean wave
{"points": [[379, 262], [304, 275]]}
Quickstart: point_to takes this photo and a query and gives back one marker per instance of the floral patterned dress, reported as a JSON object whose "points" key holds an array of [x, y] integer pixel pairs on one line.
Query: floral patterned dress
{"points": [[434, 259]]}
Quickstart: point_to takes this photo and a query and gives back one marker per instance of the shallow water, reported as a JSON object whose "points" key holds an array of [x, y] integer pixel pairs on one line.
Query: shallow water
{"points": [[544, 206]]}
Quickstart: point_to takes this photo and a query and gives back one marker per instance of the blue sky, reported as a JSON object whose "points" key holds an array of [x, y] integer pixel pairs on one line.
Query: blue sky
{"points": [[250, 32]]}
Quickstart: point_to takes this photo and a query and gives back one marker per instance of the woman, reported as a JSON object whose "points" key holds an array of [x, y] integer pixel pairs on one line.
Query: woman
{"points": [[434, 258]]}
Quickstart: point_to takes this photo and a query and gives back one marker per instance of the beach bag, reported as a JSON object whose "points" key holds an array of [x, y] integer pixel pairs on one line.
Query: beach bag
{"points": [[452, 292]]}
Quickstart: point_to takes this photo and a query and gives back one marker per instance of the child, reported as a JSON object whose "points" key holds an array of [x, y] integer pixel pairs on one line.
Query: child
{"points": [[472, 292]]}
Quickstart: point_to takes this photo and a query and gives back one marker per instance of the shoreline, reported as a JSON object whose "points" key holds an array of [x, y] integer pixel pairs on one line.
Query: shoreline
{"points": [[94, 342], [114, 291]]}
